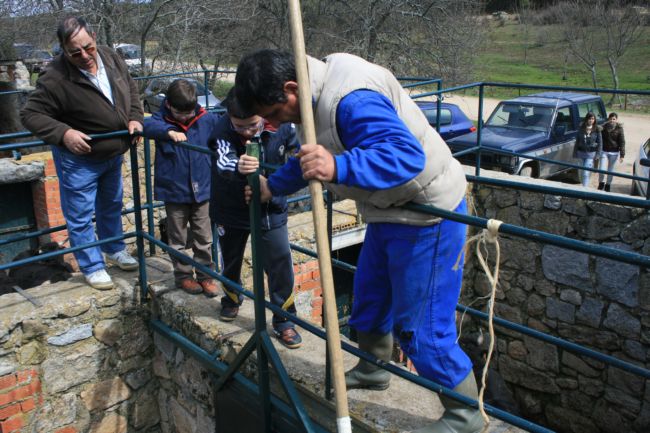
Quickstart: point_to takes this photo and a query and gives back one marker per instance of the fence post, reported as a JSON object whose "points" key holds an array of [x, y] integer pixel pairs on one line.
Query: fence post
{"points": [[139, 241]]}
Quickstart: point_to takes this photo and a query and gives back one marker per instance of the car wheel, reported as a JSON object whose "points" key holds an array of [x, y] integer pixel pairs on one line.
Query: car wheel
{"points": [[146, 107], [526, 171]]}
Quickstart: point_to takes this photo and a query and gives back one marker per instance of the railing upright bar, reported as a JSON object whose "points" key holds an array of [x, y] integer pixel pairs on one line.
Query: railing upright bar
{"points": [[329, 198], [149, 193], [139, 241], [206, 80], [479, 129]]}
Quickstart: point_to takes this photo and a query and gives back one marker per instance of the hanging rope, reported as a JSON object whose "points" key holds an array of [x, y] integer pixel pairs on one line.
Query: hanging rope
{"points": [[488, 235]]}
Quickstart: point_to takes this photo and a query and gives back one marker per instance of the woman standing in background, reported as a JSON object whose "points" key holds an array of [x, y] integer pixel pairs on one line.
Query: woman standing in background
{"points": [[589, 143]]}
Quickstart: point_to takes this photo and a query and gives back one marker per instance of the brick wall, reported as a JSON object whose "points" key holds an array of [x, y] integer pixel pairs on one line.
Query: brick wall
{"points": [[20, 393], [307, 284], [47, 202]]}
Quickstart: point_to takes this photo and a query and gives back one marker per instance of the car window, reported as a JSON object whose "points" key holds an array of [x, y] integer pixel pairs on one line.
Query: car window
{"points": [[445, 116], [593, 106], [521, 116], [564, 119]]}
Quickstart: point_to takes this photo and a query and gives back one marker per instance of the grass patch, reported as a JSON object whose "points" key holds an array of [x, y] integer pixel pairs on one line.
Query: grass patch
{"points": [[541, 57]]}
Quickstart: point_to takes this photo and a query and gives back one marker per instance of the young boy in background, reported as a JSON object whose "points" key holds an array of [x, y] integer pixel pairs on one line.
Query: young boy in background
{"points": [[182, 180], [230, 211]]}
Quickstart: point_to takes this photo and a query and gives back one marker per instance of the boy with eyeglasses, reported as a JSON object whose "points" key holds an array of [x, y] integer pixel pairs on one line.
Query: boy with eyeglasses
{"points": [[230, 211], [182, 180]]}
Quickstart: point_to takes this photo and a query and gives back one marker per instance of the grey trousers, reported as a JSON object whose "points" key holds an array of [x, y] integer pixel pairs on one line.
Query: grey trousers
{"points": [[198, 217]]}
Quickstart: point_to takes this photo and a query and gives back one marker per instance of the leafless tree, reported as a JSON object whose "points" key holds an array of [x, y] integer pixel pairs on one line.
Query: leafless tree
{"points": [[622, 25], [582, 32]]}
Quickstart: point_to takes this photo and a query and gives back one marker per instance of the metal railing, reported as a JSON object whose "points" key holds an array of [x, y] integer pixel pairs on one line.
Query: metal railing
{"points": [[262, 343]]}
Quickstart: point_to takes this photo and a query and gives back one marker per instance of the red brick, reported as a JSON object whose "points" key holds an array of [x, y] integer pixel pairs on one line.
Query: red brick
{"points": [[8, 381], [317, 303], [315, 274], [68, 429], [309, 285], [27, 405], [312, 265], [9, 411], [50, 170], [20, 393], [11, 425], [26, 375]]}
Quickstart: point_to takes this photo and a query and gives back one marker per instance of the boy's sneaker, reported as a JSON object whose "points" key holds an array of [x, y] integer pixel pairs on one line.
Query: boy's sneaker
{"points": [[289, 337], [124, 260], [210, 287], [100, 280], [228, 313], [190, 285]]}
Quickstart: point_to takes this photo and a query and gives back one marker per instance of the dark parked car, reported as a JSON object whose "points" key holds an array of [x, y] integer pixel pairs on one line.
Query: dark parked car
{"points": [[132, 57], [154, 94], [542, 125], [34, 59], [453, 122], [639, 187]]}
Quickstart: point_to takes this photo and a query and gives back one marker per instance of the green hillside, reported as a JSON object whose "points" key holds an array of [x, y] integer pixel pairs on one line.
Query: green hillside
{"points": [[547, 61]]}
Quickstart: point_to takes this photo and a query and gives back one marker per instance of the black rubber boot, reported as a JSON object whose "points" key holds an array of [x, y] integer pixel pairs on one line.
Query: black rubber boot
{"points": [[458, 417], [601, 185], [366, 375], [608, 187]]}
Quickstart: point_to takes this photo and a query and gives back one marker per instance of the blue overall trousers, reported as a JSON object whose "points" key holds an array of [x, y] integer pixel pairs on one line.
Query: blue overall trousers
{"points": [[405, 284]]}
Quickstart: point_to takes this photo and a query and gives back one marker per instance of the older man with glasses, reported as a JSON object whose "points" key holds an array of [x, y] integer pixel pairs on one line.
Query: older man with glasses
{"points": [[87, 90]]}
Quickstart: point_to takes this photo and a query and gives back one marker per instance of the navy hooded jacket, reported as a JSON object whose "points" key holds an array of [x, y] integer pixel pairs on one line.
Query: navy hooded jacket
{"points": [[182, 175], [227, 204]]}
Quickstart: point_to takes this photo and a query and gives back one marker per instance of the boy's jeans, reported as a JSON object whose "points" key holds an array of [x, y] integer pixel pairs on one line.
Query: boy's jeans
{"points": [[90, 187]]}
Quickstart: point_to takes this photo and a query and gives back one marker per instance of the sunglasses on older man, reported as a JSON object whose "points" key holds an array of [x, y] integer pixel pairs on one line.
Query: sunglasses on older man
{"points": [[89, 49]]}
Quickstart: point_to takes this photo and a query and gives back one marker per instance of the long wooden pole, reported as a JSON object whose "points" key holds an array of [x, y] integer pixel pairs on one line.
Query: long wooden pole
{"points": [[320, 224]]}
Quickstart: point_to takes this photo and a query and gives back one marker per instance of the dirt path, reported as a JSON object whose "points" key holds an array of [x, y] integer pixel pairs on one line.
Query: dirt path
{"points": [[636, 126]]}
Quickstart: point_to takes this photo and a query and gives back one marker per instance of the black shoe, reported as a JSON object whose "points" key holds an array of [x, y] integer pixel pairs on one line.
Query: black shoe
{"points": [[289, 337], [608, 187], [601, 185], [228, 313]]}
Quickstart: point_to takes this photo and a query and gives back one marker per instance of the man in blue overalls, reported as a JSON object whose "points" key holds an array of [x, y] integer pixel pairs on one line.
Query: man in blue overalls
{"points": [[378, 149]]}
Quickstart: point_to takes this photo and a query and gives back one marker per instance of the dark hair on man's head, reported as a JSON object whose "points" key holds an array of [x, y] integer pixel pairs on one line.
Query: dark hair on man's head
{"points": [[69, 27], [181, 94], [612, 114], [261, 76], [234, 108]]}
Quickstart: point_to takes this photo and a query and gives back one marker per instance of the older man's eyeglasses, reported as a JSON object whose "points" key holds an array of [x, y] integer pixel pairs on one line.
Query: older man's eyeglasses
{"points": [[88, 49]]}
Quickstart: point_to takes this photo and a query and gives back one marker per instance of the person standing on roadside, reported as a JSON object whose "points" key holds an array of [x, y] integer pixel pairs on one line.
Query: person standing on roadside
{"points": [[588, 145], [613, 148], [87, 90]]}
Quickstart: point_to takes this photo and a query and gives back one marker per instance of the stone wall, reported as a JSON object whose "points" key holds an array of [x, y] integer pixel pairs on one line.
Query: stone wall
{"points": [[79, 362], [599, 303]]}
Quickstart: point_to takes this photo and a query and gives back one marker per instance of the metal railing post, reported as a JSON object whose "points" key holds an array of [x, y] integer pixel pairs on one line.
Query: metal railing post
{"points": [[207, 89], [149, 193], [139, 241], [438, 106], [479, 128]]}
